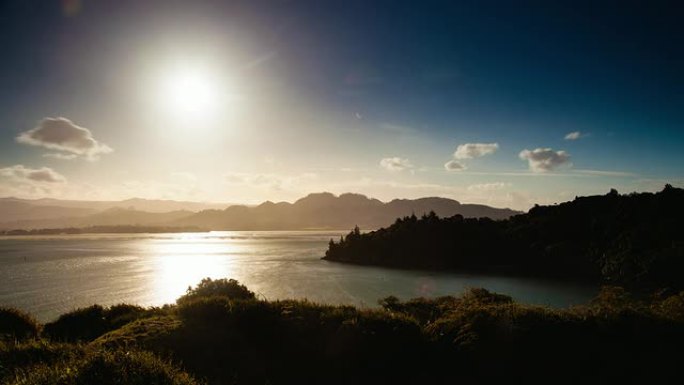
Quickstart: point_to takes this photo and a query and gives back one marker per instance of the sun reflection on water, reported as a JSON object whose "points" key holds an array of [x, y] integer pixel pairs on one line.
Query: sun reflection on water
{"points": [[184, 260]]}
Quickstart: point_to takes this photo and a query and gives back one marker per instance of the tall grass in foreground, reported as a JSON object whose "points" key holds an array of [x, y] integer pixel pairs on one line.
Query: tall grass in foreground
{"points": [[219, 333]]}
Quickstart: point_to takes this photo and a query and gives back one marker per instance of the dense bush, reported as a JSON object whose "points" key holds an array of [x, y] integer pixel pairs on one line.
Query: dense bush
{"points": [[16, 324], [88, 323], [280, 342], [208, 287]]}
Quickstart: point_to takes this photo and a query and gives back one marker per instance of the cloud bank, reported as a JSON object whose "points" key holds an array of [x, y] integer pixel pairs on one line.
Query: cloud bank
{"points": [[269, 181], [475, 150], [61, 134], [545, 159], [395, 164]]}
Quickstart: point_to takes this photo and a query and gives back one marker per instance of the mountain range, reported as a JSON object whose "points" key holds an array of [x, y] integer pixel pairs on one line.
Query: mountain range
{"points": [[315, 211]]}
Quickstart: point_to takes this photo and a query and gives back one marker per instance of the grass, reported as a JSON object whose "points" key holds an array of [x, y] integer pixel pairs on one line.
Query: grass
{"points": [[220, 334], [67, 364]]}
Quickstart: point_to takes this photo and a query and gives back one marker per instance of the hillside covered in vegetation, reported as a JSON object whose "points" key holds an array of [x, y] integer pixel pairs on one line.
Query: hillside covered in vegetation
{"points": [[219, 333], [628, 239]]}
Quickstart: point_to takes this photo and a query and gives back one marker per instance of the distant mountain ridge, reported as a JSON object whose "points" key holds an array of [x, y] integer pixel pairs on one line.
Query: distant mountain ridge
{"points": [[16, 213], [327, 211], [315, 211]]}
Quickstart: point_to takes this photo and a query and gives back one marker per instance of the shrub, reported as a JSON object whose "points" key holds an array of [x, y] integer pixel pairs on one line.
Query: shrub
{"points": [[424, 310], [671, 307], [79, 325], [211, 309], [484, 296], [208, 287], [88, 323], [17, 324]]}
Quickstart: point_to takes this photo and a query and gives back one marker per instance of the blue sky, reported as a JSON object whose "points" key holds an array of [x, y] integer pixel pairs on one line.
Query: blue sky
{"points": [[248, 101]]}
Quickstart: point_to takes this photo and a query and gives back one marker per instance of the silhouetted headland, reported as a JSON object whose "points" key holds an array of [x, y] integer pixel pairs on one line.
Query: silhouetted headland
{"points": [[636, 239]]}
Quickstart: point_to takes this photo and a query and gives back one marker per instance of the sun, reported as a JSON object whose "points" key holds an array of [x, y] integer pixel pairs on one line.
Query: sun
{"points": [[191, 93]]}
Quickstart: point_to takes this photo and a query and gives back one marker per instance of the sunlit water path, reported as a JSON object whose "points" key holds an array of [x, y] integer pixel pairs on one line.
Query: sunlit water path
{"points": [[50, 275]]}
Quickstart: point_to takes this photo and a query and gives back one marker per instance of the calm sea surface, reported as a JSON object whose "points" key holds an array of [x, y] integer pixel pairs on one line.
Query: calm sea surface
{"points": [[50, 275]]}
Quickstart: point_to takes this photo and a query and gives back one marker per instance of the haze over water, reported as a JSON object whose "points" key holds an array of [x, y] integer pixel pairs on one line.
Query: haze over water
{"points": [[50, 275]]}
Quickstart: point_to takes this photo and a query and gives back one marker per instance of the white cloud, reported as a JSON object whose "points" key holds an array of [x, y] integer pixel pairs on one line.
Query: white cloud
{"points": [[62, 134], [22, 174], [574, 135], [454, 165], [545, 159], [475, 150], [395, 164], [488, 186]]}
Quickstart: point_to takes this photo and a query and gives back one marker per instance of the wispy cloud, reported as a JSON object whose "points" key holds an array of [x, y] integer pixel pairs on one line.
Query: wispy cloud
{"points": [[604, 173], [59, 155], [544, 159], [61, 134], [488, 186], [270, 181], [574, 135], [395, 164]]}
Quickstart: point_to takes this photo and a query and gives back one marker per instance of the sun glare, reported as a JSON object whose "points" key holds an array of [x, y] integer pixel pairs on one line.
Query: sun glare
{"points": [[185, 260], [191, 93]]}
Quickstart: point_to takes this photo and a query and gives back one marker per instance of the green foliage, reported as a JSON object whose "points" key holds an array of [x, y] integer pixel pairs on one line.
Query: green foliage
{"points": [[208, 287], [16, 324], [88, 323]]}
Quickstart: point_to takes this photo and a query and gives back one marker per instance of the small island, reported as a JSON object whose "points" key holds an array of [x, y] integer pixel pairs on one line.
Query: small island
{"points": [[132, 229]]}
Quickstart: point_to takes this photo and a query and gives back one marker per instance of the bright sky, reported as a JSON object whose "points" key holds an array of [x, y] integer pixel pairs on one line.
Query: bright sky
{"points": [[483, 102]]}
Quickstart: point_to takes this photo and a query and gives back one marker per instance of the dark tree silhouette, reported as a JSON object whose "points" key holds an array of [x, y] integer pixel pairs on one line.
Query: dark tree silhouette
{"points": [[636, 238]]}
